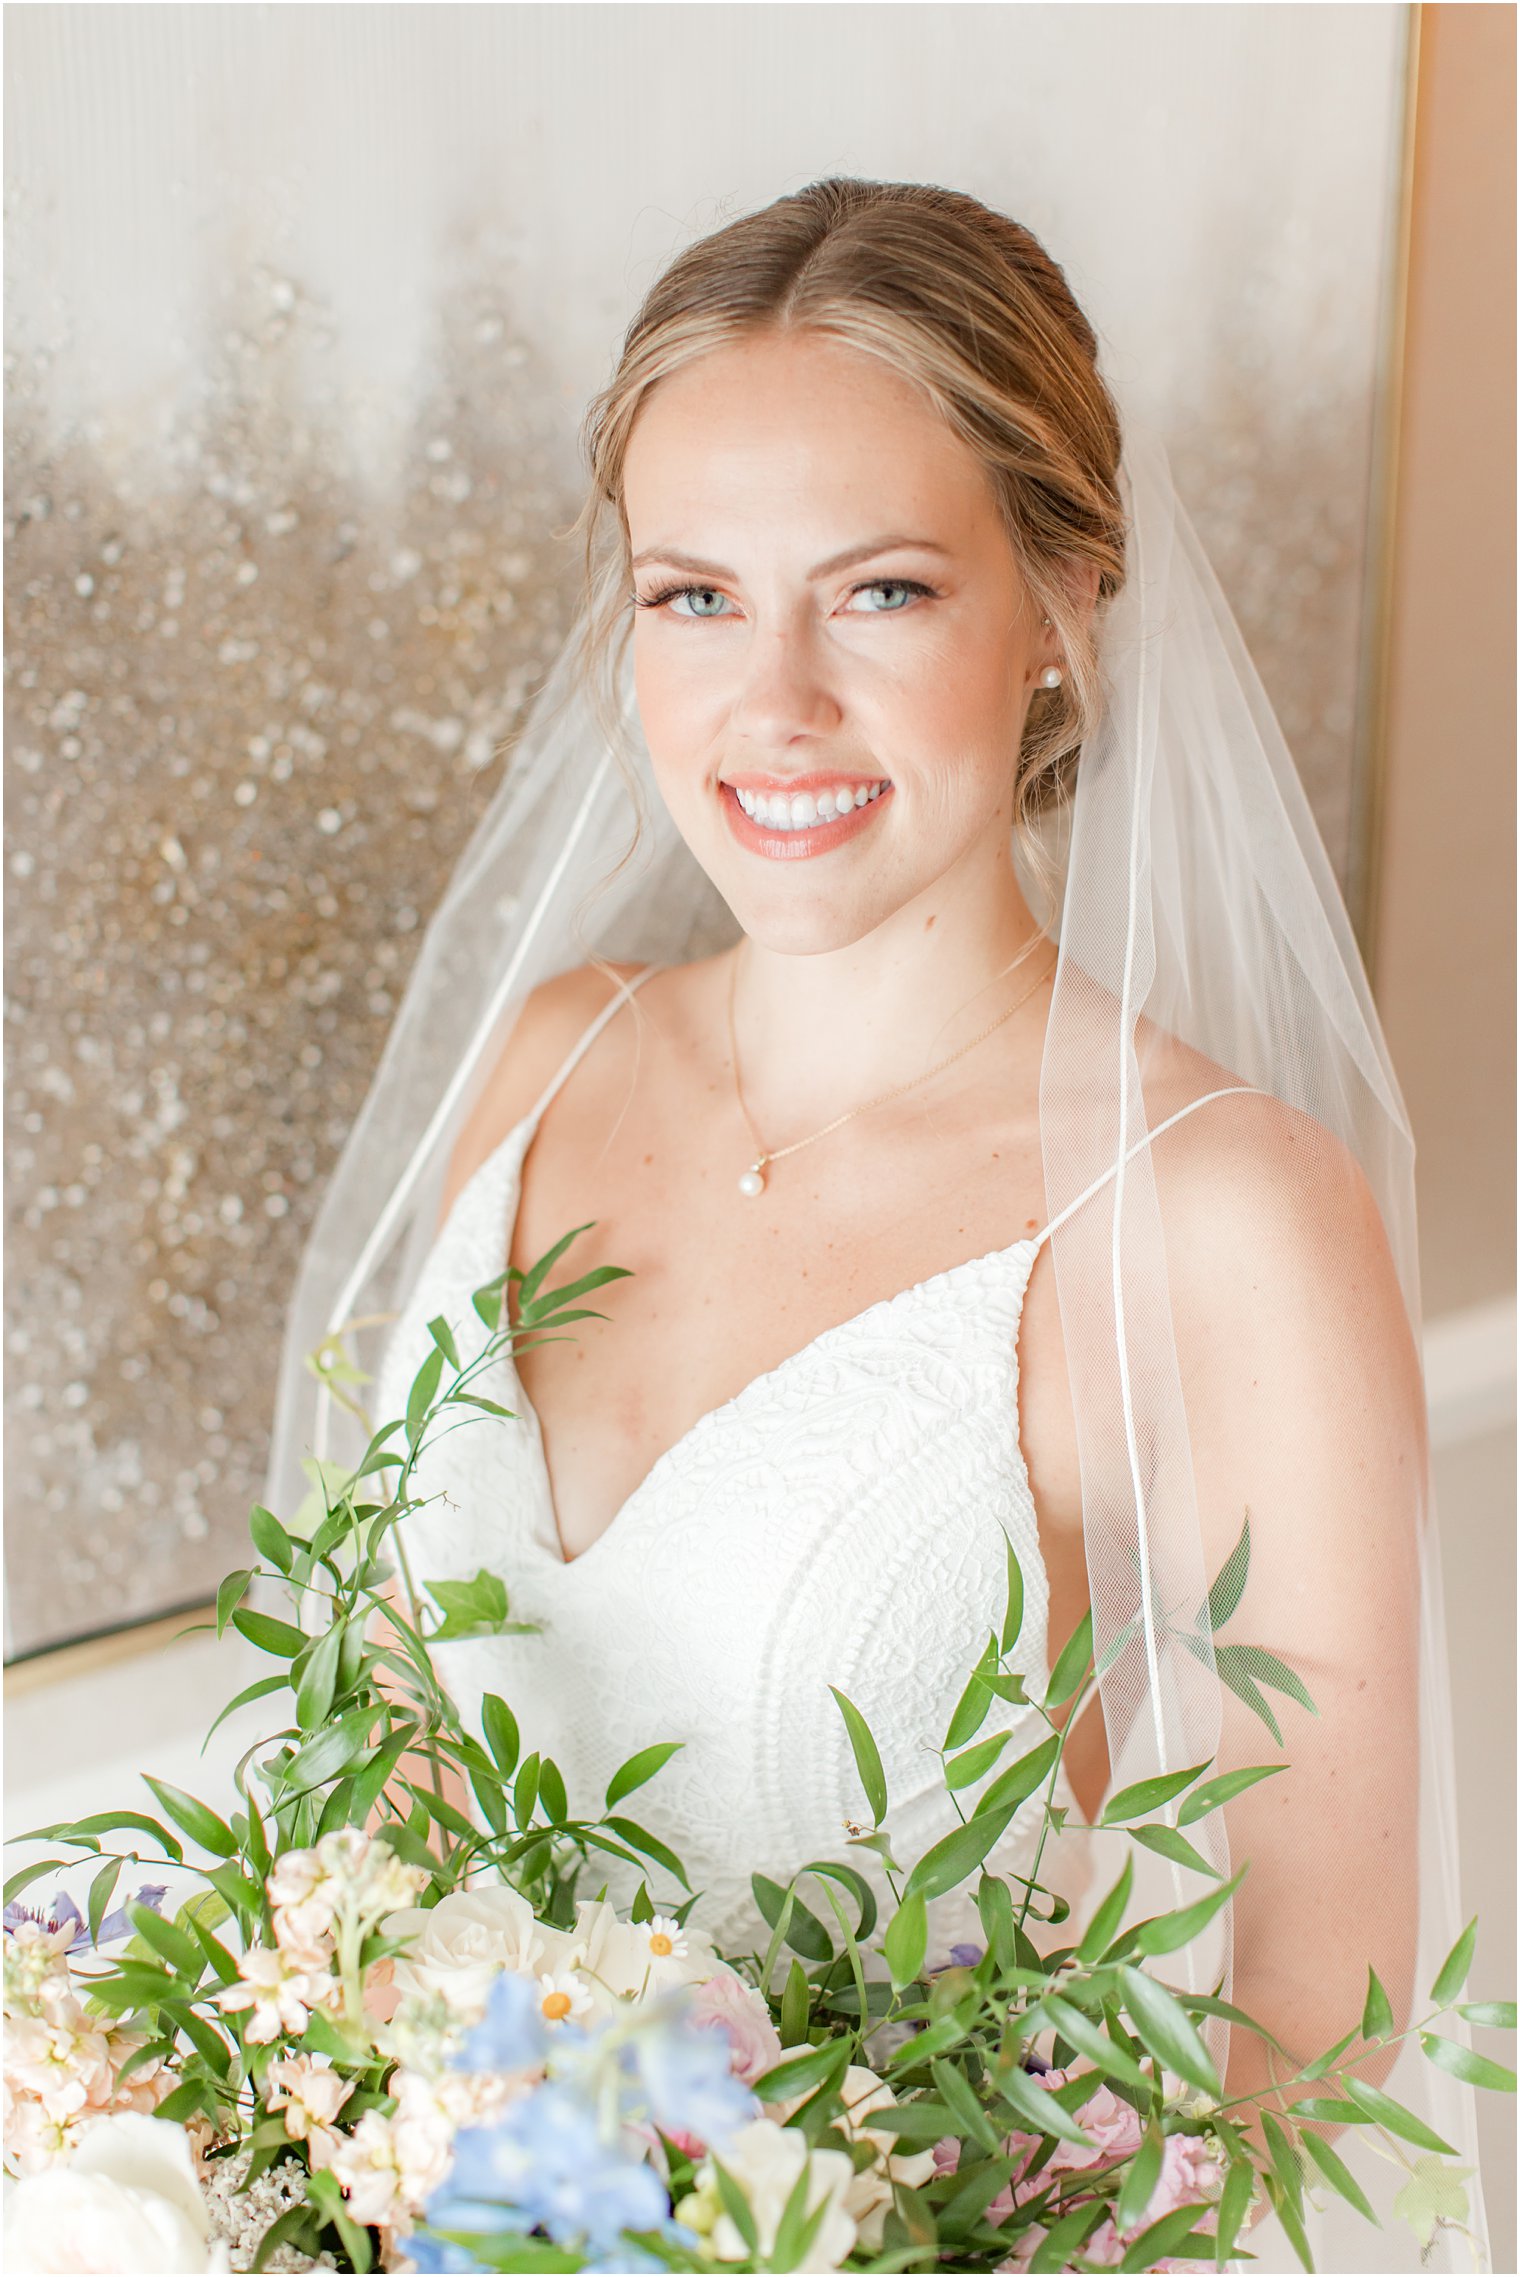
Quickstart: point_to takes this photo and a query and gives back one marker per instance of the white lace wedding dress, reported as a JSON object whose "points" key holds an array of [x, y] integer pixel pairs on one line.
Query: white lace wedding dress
{"points": [[842, 1521]]}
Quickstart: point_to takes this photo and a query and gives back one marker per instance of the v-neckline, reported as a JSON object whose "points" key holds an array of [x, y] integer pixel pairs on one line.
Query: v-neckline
{"points": [[506, 1162]]}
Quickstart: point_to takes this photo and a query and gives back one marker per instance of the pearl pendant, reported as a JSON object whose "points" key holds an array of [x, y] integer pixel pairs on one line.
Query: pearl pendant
{"points": [[753, 1181]]}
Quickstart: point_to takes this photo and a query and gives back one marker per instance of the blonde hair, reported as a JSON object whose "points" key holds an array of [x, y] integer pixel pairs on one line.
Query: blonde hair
{"points": [[952, 295]]}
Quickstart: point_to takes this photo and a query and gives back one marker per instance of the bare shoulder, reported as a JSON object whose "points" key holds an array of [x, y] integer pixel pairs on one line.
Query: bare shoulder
{"points": [[552, 1019], [1276, 1246]]}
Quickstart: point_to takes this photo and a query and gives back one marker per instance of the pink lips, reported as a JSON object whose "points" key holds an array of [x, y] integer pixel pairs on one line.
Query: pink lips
{"points": [[798, 845]]}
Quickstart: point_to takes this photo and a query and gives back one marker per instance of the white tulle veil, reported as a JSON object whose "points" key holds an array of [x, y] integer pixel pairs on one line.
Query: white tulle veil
{"points": [[1196, 903]]}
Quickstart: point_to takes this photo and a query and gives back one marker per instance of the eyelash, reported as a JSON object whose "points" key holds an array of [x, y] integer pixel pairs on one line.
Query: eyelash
{"points": [[869, 585]]}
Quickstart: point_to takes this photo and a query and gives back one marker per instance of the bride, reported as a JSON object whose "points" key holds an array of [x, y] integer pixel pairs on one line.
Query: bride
{"points": [[973, 1072]]}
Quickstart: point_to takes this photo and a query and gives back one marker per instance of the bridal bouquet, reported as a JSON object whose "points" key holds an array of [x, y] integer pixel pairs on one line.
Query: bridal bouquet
{"points": [[376, 2032]]}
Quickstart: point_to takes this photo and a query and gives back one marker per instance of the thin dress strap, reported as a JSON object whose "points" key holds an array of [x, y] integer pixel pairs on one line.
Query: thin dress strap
{"points": [[1227, 1091], [624, 990]]}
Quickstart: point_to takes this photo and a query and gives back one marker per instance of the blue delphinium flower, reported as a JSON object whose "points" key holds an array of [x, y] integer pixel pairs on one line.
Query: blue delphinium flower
{"points": [[441, 2257], [545, 2164], [687, 2078], [512, 2034]]}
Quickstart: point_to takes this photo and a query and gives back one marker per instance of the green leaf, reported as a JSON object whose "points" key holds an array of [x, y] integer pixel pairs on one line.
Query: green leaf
{"points": [[1071, 1667], [650, 1846], [1234, 2200], [1167, 2031], [1104, 1925], [959, 2096], [1013, 1608], [736, 2206], [268, 1634], [796, 2007], [318, 1680], [474, 1608], [331, 1751], [1058, 2249], [994, 1905], [1084, 2035], [1434, 2193], [1168, 1843], [1384, 2112], [250, 1692], [801, 2074], [443, 1337], [907, 1939], [1499, 2015], [1224, 1789], [1163, 2237], [551, 1792], [873, 1779], [789, 2248], [175, 1945], [1038, 2105], [1019, 1781], [499, 1725], [1165, 1932], [525, 1792], [1244, 1689], [370, 1783], [957, 1854], [270, 1538], [202, 1825], [1147, 1795], [1287, 2214], [229, 1594], [1453, 1972], [1230, 1581], [974, 1763], [1377, 2012], [971, 1708], [99, 1899], [1284, 2162], [1339, 2176], [420, 1398], [804, 1931], [1255, 1661], [1139, 2184], [638, 1769], [1466, 2063]]}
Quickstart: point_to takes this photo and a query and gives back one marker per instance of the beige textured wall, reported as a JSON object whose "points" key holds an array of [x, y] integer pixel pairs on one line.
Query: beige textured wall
{"points": [[1445, 942]]}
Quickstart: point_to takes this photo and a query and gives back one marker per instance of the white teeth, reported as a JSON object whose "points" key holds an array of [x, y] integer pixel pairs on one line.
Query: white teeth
{"points": [[802, 811]]}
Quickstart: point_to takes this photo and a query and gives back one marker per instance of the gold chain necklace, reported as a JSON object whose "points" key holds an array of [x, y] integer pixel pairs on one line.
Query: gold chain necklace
{"points": [[753, 1180]]}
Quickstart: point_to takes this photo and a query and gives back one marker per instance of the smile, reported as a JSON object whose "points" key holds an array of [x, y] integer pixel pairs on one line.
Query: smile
{"points": [[785, 825]]}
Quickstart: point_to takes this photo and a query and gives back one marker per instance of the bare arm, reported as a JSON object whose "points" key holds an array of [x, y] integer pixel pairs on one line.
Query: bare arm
{"points": [[1306, 1409]]}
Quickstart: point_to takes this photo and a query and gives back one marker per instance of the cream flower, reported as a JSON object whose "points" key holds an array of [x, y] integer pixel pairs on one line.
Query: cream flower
{"points": [[311, 2094], [281, 1984], [126, 2205], [389, 2166], [465, 1941], [630, 1958], [765, 2160]]}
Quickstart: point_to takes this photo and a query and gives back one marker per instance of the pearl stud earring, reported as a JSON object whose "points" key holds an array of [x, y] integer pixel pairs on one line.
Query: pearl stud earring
{"points": [[1051, 676]]}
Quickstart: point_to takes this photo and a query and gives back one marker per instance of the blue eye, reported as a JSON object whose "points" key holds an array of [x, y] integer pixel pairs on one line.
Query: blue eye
{"points": [[907, 585], [681, 593]]}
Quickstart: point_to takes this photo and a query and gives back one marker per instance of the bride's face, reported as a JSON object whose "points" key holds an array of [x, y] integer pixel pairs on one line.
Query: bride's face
{"points": [[831, 628]]}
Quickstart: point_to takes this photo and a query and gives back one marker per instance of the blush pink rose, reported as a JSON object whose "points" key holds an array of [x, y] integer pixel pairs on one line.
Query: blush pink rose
{"points": [[725, 2003]]}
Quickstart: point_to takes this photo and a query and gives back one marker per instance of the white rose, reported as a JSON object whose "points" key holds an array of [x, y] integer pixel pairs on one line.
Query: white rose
{"points": [[765, 2160], [466, 1941], [127, 2204]]}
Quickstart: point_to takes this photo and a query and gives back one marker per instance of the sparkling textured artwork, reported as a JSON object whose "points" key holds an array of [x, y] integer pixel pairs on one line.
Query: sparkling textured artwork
{"points": [[290, 460]]}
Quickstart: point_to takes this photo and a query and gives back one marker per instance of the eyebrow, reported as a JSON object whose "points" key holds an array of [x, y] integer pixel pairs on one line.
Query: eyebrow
{"points": [[837, 561]]}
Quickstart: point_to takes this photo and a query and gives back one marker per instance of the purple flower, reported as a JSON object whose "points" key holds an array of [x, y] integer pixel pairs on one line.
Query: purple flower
{"points": [[62, 1913], [966, 1956]]}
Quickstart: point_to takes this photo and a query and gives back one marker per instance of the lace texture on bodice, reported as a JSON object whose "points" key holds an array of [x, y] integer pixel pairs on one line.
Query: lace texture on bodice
{"points": [[842, 1521]]}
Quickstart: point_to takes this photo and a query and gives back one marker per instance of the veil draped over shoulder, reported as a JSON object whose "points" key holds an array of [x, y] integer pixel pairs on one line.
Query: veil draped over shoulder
{"points": [[1202, 946]]}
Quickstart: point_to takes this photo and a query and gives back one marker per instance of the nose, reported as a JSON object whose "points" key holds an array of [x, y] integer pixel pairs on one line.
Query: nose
{"points": [[783, 694]]}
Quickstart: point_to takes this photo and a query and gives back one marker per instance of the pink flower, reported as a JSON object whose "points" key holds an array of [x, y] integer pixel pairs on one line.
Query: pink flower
{"points": [[1114, 2126], [739, 2012], [1191, 2169], [947, 2154]]}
